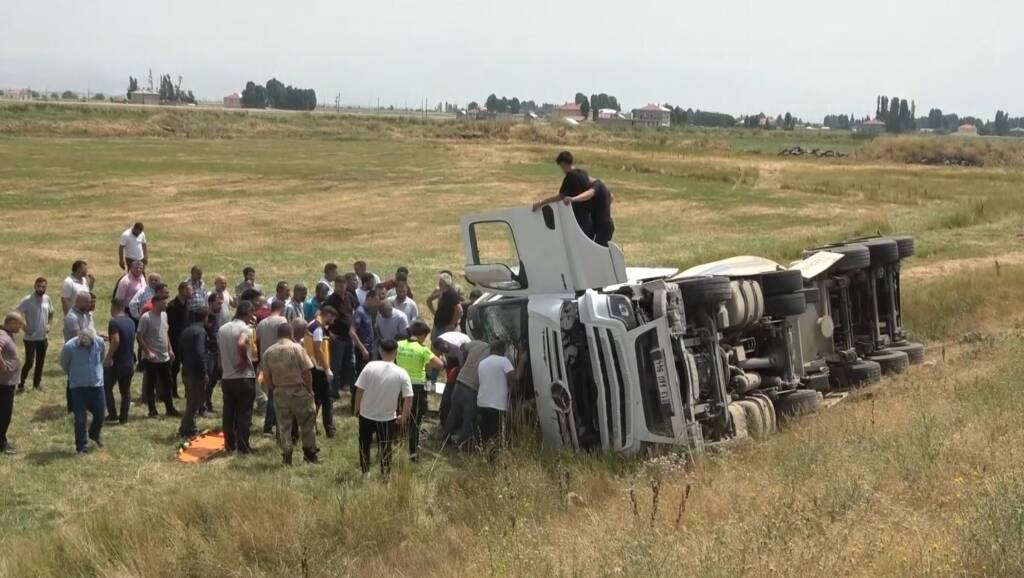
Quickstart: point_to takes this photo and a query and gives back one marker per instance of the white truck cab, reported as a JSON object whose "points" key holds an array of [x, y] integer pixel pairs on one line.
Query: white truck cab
{"points": [[605, 368]]}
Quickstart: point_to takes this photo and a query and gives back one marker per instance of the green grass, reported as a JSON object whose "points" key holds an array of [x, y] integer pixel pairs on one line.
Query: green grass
{"points": [[899, 480]]}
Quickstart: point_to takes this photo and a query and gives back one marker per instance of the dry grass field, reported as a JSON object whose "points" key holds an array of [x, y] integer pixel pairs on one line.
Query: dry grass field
{"points": [[918, 476]]}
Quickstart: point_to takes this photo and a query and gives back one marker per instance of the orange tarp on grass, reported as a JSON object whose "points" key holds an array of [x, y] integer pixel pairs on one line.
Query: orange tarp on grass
{"points": [[202, 448]]}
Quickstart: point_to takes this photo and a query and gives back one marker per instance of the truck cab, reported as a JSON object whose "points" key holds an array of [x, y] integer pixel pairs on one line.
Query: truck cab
{"points": [[608, 367]]}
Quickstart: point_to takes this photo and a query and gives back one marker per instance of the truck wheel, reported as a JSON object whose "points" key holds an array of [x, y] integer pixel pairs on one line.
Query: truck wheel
{"points": [[699, 291], [914, 351], [892, 362], [739, 421], [796, 403], [855, 256], [883, 251], [781, 282], [905, 245], [768, 411], [811, 295], [858, 374], [785, 305], [756, 426]]}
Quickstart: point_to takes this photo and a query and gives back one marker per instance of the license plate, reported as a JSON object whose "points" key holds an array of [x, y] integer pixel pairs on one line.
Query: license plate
{"points": [[661, 375]]}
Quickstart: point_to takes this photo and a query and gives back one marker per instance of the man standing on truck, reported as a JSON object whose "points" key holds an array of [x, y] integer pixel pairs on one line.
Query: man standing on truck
{"points": [[575, 182]]}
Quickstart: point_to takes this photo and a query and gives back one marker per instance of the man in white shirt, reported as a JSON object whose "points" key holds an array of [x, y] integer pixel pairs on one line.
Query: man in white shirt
{"points": [[494, 374], [133, 246], [403, 301], [378, 389], [74, 284], [37, 309]]}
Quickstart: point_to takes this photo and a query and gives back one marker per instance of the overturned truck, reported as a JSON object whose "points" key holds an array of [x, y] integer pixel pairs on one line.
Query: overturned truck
{"points": [[622, 359]]}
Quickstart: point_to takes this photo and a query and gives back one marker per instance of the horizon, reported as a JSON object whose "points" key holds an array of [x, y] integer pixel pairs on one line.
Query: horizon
{"points": [[786, 60]]}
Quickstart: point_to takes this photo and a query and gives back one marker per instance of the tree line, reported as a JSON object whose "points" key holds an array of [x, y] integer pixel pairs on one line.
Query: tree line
{"points": [[275, 94], [170, 92]]}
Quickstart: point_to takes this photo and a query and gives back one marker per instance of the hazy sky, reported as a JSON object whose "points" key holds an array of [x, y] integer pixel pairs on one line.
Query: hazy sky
{"points": [[807, 56]]}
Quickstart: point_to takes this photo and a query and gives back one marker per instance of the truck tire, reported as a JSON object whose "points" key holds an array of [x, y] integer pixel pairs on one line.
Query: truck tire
{"points": [[914, 351], [855, 256], [883, 252], [698, 291], [756, 425], [811, 295], [793, 404], [892, 362], [857, 374], [768, 411], [781, 282], [785, 305], [905, 245], [739, 421]]}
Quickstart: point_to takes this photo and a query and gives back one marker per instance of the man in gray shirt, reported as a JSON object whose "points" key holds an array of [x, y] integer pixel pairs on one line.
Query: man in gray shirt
{"points": [[234, 342], [266, 336], [79, 317], [461, 419], [391, 322], [157, 353], [37, 308]]}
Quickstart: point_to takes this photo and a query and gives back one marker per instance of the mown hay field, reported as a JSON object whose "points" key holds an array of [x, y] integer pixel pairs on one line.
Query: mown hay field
{"points": [[920, 475]]}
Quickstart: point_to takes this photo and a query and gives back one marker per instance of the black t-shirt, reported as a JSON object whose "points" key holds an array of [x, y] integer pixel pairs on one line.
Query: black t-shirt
{"points": [[177, 319], [574, 183], [446, 304], [601, 204], [346, 303], [124, 327]]}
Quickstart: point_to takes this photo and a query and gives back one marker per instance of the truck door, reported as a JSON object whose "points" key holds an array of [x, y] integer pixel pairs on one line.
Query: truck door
{"points": [[520, 252]]}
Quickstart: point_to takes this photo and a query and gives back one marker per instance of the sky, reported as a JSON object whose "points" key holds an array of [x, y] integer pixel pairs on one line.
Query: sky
{"points": [[808, 57]]}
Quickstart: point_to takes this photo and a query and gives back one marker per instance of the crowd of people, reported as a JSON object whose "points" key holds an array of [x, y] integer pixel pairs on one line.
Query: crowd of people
{"points": [[285, 352]]}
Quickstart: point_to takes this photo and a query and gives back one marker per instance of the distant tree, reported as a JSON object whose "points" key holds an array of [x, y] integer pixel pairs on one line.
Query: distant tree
{"points": [[277, 94], [892, 120], [584, 102], [254, 96], [492, 102], [99, 96], [54, 95], [68, 95], [133, 85], [788, 122], [935, 119], [473, 106], [906, 119], [514, 105], [595, 106], [1002, 124]]}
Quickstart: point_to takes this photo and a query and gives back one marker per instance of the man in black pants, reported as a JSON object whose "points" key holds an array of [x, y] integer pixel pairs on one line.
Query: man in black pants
{"points": [[378, 390], [119, 364], [215, 304], [316, 344], [10, 368], [158, 352], [193, 355], [575, 182], [234, 342], [177, 321], [37, 308]]}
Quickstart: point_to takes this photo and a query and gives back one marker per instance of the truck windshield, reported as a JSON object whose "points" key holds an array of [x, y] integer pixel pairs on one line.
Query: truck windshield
{"points": [[505, 320], [654, 388]]}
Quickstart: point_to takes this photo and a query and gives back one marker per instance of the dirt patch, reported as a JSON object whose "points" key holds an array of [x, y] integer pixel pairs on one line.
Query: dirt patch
{"points": [[953, 266]]}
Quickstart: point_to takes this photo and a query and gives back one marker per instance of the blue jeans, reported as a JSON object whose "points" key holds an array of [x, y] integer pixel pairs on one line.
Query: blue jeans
{"points": [[89, 399]]}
